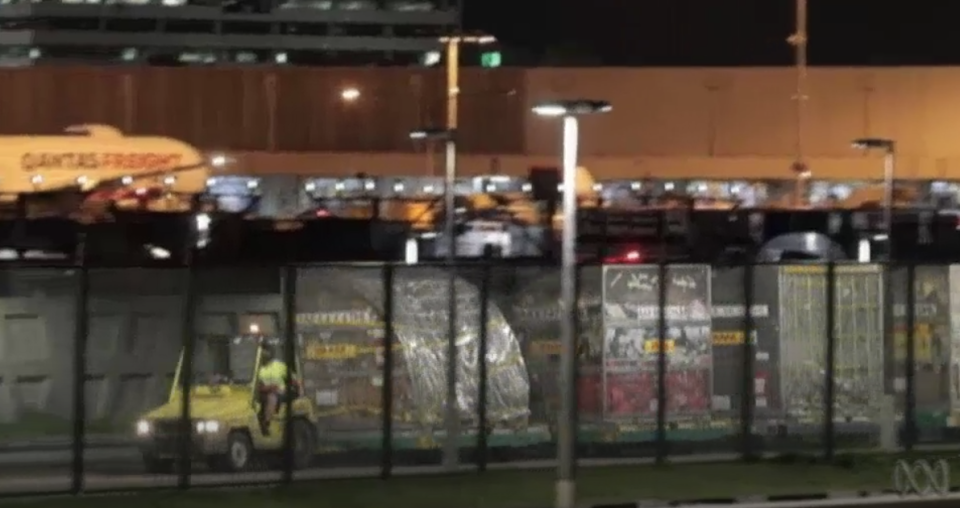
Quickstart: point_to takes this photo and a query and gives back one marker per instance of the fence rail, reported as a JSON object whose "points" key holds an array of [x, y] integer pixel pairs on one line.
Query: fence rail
{"points": [[121, 378]]}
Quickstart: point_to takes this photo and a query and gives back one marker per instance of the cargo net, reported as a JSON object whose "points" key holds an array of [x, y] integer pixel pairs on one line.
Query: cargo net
{"points": [[859, 342], [420, 327]]}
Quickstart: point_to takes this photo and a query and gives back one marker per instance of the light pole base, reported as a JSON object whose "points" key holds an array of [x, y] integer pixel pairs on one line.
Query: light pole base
{"points": [[566, 494], [451, 458]]}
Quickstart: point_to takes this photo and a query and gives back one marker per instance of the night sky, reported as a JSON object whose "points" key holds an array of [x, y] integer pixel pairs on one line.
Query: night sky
{"points": [[721, 32]]}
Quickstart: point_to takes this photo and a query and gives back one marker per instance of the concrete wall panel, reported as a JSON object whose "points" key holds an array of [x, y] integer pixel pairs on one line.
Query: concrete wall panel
{"points": [[133, 346], [645, 117], [754, 113], [837, 110], [665, 118], [266, 108]]}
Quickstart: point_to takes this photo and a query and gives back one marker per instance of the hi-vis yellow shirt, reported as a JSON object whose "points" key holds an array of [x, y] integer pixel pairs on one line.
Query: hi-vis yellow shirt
{"points": [[274, 374]]}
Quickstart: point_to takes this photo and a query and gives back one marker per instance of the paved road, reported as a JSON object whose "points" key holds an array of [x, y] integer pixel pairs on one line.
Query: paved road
{"points": [[118, 468], [111, 468]]}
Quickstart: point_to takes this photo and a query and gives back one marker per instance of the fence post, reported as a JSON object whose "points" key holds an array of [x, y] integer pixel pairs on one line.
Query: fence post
{"points": [[482, 384], [186, 370], [81, 334], [289, 281], [386, 398], [747, 386], [910, 409], [829, 436], [661, 443]]}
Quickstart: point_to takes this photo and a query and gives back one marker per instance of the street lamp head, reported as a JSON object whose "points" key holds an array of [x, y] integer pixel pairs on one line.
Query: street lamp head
{"points": [[349, 94], [576, 107], [431, 133], [874, 143]]}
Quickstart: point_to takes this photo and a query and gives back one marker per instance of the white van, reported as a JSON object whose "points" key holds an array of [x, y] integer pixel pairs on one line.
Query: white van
{"points": [[481, 236]]}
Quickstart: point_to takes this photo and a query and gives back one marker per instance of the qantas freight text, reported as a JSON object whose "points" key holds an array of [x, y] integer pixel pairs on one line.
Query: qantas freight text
{"points": [[32, 161]]}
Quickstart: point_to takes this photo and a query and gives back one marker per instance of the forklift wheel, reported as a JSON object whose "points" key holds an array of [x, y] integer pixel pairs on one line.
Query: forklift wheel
{"points": [[239, 456], [304, 444]]}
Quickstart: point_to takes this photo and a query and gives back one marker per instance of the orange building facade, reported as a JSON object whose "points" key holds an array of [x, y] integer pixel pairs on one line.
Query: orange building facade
{"points": [[666, 123]]}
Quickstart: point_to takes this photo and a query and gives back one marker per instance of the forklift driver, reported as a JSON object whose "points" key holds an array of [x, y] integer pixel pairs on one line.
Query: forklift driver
{"points": [[271, 382]]}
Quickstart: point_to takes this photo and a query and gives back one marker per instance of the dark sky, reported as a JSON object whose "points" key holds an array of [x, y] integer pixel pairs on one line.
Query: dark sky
{"points": [[726, 32]]}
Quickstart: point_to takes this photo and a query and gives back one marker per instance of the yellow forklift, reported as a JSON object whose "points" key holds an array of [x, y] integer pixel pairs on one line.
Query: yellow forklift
{"points": [[227, 429]]}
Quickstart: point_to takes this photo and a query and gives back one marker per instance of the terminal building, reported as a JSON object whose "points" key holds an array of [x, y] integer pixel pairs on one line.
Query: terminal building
{"points": [[308, 32], [291, 137]]}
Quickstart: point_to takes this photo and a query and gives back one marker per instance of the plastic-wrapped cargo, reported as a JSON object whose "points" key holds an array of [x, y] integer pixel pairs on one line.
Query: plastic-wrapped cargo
{"points": [[341, 321]]}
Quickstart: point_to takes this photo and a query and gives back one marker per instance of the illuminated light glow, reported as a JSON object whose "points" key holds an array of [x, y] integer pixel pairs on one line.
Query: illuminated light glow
{"points": [[127, 180], [572, 108], [411, 251], [170, 180], [203, 222], [863, 251], [550, 110], [431, 58], [36, 179], [158, 252], [571, 135], [350, 94], [631, 256]]}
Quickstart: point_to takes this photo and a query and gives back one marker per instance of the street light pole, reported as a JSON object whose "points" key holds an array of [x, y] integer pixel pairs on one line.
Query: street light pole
{"points": [[566, 439], [451, 449], [889, 148], [453, 80], [798, 40], [889, 171], [566, 426], [452, 45]]}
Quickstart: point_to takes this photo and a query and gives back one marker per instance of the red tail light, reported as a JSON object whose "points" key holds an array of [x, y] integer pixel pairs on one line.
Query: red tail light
{"points": [[322, 213], [627, 256]]}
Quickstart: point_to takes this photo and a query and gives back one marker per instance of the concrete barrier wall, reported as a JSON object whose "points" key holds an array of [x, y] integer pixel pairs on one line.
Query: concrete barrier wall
{"points": [[135, 336]]}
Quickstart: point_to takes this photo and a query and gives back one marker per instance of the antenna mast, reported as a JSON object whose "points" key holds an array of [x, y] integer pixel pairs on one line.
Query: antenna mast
{"points": [[799, 42]]}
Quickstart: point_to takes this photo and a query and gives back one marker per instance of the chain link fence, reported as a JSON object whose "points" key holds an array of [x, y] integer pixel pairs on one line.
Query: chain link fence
{"points": [[170, 374]]}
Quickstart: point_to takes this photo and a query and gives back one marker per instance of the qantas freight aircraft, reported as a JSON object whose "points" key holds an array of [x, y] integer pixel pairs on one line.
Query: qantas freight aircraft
{"points": [[91, 169]]}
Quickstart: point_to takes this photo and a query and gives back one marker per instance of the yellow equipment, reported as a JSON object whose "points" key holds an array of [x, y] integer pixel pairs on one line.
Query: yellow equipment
{"points": [[224, 429]]}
